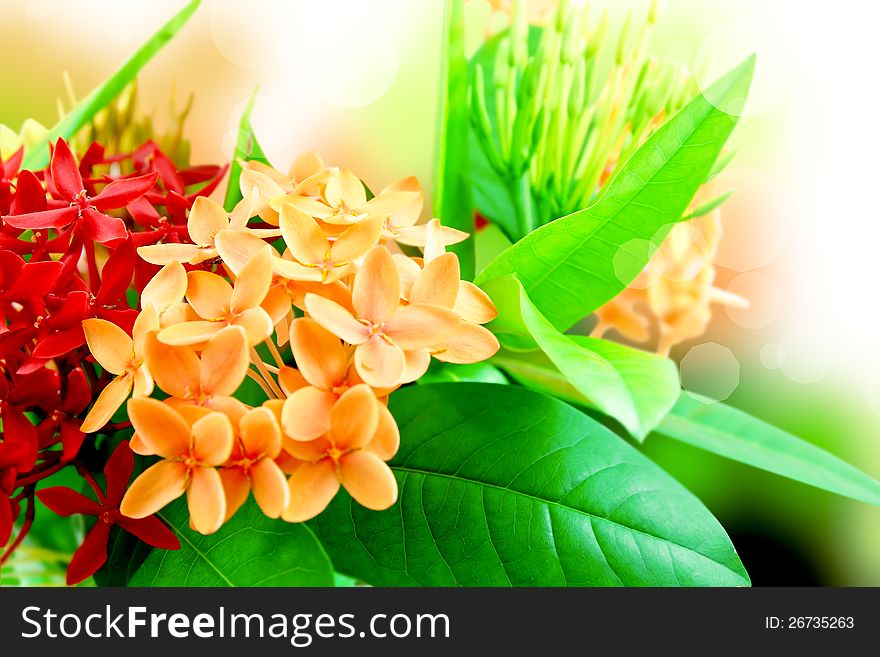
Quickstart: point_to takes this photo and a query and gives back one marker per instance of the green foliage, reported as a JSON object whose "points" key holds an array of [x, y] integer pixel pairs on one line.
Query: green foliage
{"points": [[450, 373], [729, 432], [38, 157], [246, 148], [502, 486], [574, 265], [249, 550]]}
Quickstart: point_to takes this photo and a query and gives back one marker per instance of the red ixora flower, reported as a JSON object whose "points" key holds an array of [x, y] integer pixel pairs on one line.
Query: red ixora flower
{"points": [[78, 207], [92, 554]]}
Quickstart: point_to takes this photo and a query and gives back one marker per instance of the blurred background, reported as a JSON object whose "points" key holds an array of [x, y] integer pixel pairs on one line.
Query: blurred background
{"points": [[358, 81]]}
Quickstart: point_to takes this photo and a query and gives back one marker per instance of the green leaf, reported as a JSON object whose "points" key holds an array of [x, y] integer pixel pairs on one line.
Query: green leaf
{"points": [[246, 148], [635, 387], [733, 434], [440, 372], [249, 550], [452, 194], [125, 555], [85, 110], [575, 264], [708, 206], [503, 486]]}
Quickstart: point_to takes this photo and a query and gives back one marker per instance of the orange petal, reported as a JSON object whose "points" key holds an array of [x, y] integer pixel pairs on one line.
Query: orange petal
{"points": [[189, 411], [212, 439], [175, 369], [154, 488], [306, 164], [146, 321], [206, 219], [252, 282], [167, 287], [190, 333], [209, 294], [206, 500], [409, 271], [355, 241], [379, 363], [470, 343], [270, 487], [310, 451], [266, 187], [312, 487], [368, 480], [473, 304], [107, 403], [354, 418], [319, 354], [435, 240], [160, 428], [109, 344], [386, 441], [165, 254], [257, 325], [260, 434], [420, 326], [345, 188], [438, 283], [306, 413], [236, 487], [417, 363], [224, 362], [302, 235], [229, 406], [237, 247], [290, 380], [376, 293], [294, 271], [138, 446], [277, 303], [310, 206], [143, 382], [336, 319]]}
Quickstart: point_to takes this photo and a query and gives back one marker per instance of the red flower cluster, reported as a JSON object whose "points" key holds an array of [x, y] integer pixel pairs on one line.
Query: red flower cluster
{"points": [[68, 236]]}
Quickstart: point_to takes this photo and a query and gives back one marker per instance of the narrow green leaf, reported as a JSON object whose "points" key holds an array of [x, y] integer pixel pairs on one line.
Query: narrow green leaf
{"points": [[736, 435], [634, 387], [249, 550], [708, 206], [452, 197], [38, 157], [246, 148], [575, 264], [501, 486]]}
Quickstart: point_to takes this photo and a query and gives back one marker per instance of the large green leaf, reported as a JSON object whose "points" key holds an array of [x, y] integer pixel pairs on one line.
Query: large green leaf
{"points": [[246, 148], [503, 486], [85, 110], [635, 387], [736, 435], [452, 194], [249, 550], [575, 264]]}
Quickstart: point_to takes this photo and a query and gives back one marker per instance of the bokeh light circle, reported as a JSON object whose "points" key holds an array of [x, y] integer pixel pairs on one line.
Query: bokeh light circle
{"points": [[764, 298], [710, 370]]}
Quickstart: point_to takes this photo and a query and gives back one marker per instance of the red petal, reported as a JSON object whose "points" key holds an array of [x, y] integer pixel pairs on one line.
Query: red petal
{"points": [[60, 343], [71, 439], [91, 555], [6, 519], [118, 472], [74, 310], [201, 173], [117, 274], [44, 219], [167, 172], [208, 189], [92, 157], [121, 192], [15, 454], [65, 172], [11, 167], [102, 227], [66, 502], [29, 194], [78, 394], [124, 319], [35, 280], [143, 213], [15, 245], [17, 428], [39, 388], [151, 531]]}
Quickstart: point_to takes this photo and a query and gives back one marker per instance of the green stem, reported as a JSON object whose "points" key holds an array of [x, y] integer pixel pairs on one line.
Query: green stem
{"points": [[520, 192]]}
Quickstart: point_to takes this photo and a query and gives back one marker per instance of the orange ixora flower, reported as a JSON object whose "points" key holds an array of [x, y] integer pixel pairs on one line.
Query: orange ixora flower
{"points": [[306, 177], [165, 295], [383, 331], [362, 435], [191, 452], [251, 465], [220, 304], [123, 356]]}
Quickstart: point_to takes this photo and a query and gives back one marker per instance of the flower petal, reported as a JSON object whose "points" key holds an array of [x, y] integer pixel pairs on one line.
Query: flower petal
{"points": [[206, 501], [206, 219], [386, 441], [270, 487], [159, 427], [471, 343], [302, 235], [345, 188], [319, 355], [379, 363], [66, 502], [224, 362], [355, 241], [109, 344], [420, 326], [189, 333], [260, 434], [164, 254], [306, 164], [296, 272], [257, 325], [237, 247], [65, 171], [253, 282], [153, 489], [290, 380], [417, 363], [236, 487], [175, 369], [151, 531], [376, 293], [306, 413], [212, 439], [336, 319], [368, 480], [108, 402], [309, 451], [438, 282], [354, 418], [89, 556], [209, 294], [473, 304], [312, 487]]}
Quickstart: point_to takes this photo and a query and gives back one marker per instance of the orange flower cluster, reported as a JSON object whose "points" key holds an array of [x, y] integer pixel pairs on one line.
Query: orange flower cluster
{"points": [[326, 274]]}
